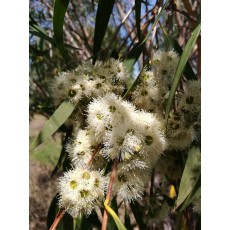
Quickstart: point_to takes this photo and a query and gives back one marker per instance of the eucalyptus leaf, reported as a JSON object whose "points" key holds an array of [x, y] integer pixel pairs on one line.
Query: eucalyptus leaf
{"points": [[55, 121], [104, 11], [53, 209], [132, 87], [42, 35], [137, 214], [138, 17], [128, 222], [190, 175], [183, 60], [63, 152], [116, 219], [90, 222], [172, 42], [133, 56], [196, 192], [111, 224], [60, 7]]}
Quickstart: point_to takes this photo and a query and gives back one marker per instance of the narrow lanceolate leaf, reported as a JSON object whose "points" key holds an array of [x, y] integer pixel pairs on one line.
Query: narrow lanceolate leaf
{"points": [[90, 222], [36, 30], [183, 60], [133, 56], [190, 175], [104, 11], [111, 225], [128, 222], [116, 219], [188, 71], [196, 192], [132, 87], [137, 214], [60, 7], [55, 121], [138, 17], [136, 51], [63, 154]]}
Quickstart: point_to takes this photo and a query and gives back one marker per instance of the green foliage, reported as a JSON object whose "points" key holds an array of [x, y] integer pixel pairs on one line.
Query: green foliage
{"points": [[48, 153], [52, 125], [172, 42], [102, 18], [113, 214], [138, 17], [63, 155], [183, 60], [190, 175], [60, 7]]}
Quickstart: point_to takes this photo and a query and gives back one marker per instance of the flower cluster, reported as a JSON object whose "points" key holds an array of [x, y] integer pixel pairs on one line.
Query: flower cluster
{"points": [[88, 81], [81, 190], [152, 92], [184, 122], [132, 132]]}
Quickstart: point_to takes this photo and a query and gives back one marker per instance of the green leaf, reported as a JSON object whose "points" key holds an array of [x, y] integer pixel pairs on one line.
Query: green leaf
{"points": [[138, 17], [183, 60], [128, 222], [190, 175], [111, 225], [137, 214], [90, 222], [196, 192], [53, 209], [42, 35], [60, 7], [188, 71], [49, 39], [132, 87], [104, 11], [77, 222], [115, 217], [63, 151], [133, 56], [136, 51], [55, 121], [68, 222], [36, 30]]}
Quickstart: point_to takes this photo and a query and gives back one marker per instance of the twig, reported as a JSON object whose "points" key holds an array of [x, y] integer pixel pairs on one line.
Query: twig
{"points": [[109, 194], [119, 27], [188, 7], [94, 153], [57, 219]]}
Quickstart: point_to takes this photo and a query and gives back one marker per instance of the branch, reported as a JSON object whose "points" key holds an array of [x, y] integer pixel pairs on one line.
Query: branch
{"points": [[109, 194], [94, 153], [57, 219]]}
